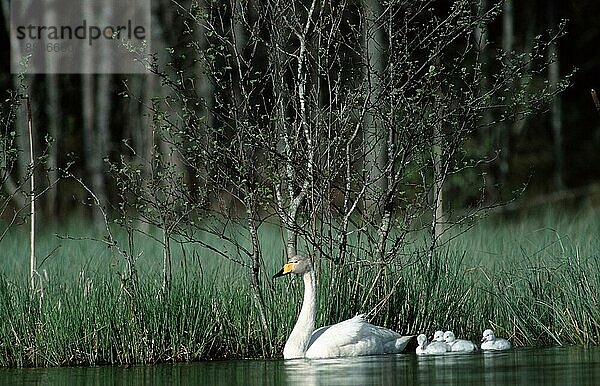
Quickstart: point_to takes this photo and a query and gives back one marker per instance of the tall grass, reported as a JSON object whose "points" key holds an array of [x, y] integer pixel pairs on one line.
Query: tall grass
{"points": [[535, 280]]}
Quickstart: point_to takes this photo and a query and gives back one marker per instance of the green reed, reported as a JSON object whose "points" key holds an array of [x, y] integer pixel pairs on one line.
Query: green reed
{"points": [[535, 280]]}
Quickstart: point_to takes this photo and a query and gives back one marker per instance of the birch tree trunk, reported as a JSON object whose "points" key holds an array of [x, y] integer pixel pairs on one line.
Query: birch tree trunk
{"points": [[439, 174], [241, 115], [32, 257], [288, 201], [438, 183]]}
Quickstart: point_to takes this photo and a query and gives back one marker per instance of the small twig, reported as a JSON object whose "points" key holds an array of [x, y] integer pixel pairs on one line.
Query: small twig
{"points": [[375, 310], [52, 252], [596, 100]]}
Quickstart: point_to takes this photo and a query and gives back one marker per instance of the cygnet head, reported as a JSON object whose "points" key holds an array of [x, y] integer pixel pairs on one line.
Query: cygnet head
{"points": [[488, 336], [421, 340], [297, 264], [449, 337], [438, 336]]}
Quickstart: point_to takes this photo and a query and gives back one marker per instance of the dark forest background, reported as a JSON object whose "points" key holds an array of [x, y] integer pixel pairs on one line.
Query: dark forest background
{"points": [[95, 118]]}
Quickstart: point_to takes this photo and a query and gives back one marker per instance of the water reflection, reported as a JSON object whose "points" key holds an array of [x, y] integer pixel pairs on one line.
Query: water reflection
{"points": [[374, 370], [550, 366]]}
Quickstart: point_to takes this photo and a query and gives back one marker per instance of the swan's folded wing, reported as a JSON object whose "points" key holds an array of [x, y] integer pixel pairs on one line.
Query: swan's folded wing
{"points": [[354, 337], [339, 334]]}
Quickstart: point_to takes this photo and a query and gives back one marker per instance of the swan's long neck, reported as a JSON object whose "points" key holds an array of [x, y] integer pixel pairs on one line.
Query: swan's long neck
{"points": [[297, 342]]}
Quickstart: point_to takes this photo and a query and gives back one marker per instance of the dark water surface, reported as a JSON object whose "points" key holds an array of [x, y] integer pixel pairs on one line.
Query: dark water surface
{"points": [[547, 366]]}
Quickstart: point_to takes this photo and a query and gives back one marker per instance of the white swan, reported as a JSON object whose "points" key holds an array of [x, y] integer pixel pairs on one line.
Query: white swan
{"points": [[490, 342], [426, 348], [352, 337], [458, 345]]}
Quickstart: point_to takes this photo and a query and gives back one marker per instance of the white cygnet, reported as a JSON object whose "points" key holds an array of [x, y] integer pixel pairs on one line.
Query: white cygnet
{"points": [[426, 348], [458, 345], [438, 336], [490, 342]]}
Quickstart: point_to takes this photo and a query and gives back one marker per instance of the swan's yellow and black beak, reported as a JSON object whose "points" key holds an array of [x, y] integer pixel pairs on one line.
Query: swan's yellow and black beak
{"points": [[287, 268]]}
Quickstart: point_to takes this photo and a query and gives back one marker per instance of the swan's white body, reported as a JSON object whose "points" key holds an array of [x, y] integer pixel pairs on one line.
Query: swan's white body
{"points": [[458, 345], [490, 342], [426, 348], [352, 337]]}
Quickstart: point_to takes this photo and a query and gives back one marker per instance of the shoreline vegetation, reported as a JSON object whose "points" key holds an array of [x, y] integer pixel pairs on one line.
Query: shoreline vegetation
{"points": [[535, 281], [369, 137]]}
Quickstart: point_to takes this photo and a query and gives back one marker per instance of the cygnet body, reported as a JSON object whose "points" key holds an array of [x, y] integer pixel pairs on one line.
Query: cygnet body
{"points": [[490, 342], [426, 348], [458, 345]]}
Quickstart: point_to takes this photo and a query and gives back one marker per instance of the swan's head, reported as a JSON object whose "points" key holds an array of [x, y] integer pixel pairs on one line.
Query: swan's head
{"points": [[438, 336], [422, 340], [449, 337], [297, 264], [488, 336]]}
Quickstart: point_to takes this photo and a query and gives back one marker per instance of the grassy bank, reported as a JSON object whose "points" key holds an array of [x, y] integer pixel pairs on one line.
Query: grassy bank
{"points": [[536, 280]]}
